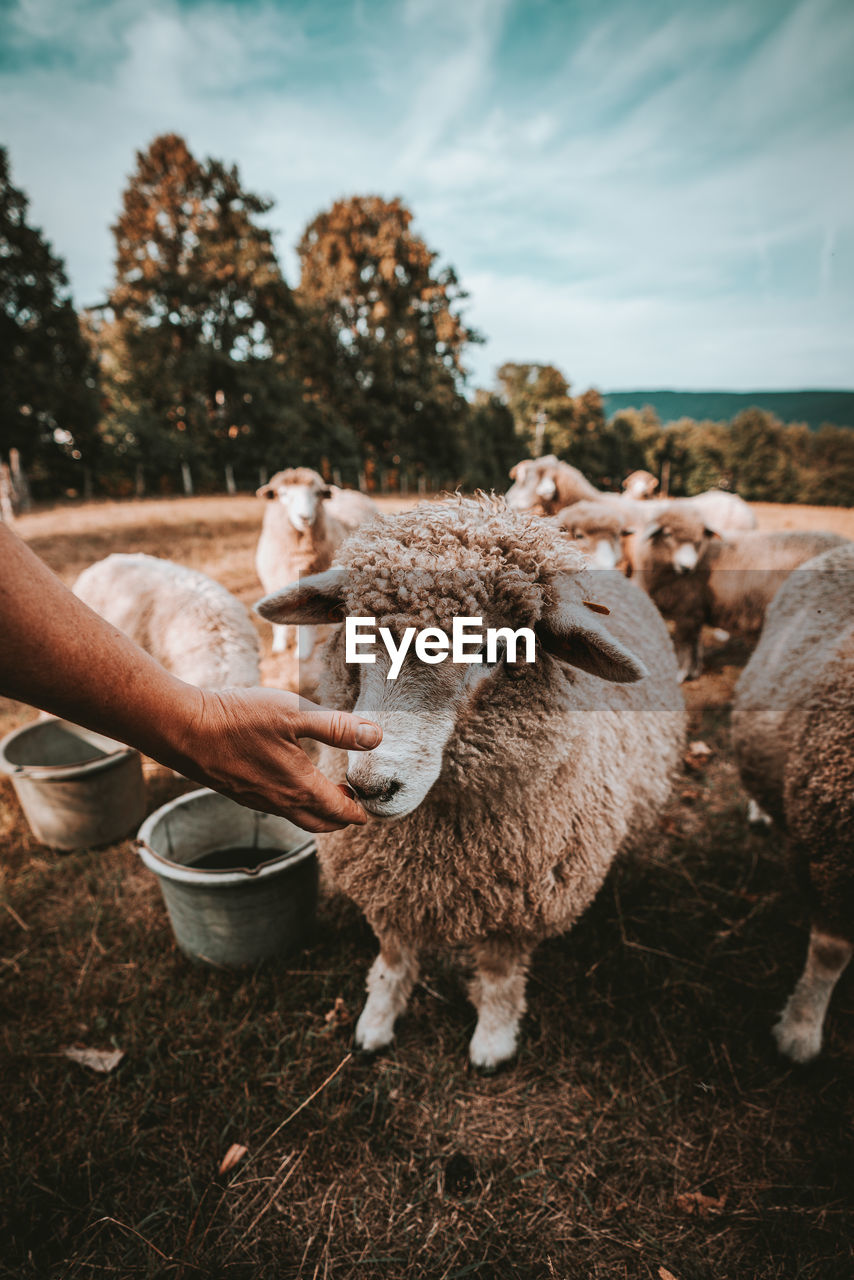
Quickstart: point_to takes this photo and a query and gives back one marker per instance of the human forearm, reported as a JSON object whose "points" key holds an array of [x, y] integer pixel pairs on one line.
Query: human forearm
{"points": [[61, 657]]}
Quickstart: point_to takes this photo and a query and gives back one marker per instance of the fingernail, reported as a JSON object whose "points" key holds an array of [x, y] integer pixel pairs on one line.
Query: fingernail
{"points": [[367, 735], [348, 791]]}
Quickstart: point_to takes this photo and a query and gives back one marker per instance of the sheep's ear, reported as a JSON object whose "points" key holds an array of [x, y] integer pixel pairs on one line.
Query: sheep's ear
{"points": [[546, 488], [653, 531], [318, 598], [627, 532], [711, 533], [577, 636], [514, 471], [266, 491]]}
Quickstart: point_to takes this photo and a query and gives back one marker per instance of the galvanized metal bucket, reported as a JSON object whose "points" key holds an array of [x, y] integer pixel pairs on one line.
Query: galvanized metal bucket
{"points": [[241, 915], [77, 789]]}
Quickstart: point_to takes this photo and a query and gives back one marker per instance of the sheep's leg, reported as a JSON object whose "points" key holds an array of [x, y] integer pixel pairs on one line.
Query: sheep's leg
{"points": [[305, 642], [280, 638], [689, 652], [756, 815], [498, 993], [799, 1030], [389, 984]]}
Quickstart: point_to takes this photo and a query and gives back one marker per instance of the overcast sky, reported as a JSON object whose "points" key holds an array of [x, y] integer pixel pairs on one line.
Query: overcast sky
{"points": [[647, 195]]}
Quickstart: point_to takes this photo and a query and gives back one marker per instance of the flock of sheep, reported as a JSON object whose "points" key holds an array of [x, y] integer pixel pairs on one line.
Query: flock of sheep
{"points": [[502, 790]]}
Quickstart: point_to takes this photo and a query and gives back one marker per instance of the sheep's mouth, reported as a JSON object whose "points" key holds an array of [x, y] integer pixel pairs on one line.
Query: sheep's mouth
{"points": [[387, 811]]}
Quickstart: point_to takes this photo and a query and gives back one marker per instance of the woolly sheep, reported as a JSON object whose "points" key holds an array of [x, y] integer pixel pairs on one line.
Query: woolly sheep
{"points": [[544, 486], [192, 625], [305, 520], [698, 578], [350, 507], [598, 529], [500, 794], [640, 485], [793, 733]]}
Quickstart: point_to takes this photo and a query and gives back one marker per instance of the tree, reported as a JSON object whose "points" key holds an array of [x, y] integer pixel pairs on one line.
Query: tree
{"points": [[490, 445], [551, 420], [199, 339], [760, 467], [389, 360], [829, 475], [48, 386]]}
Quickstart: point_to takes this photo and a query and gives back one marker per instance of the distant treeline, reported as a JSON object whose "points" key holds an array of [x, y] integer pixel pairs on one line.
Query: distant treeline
{"points": [[204, 370], [813, 408]]}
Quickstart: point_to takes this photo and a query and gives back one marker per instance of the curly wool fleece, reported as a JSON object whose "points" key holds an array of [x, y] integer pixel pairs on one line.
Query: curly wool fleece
{"points": [[467, 557]]}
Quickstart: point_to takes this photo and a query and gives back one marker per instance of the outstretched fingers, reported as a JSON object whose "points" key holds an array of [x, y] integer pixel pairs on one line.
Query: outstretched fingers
{"points": [[338, 728]]}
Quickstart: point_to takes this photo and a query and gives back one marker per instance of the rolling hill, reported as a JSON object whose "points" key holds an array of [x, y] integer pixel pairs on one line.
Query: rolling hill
{"points": [[812, 407]]}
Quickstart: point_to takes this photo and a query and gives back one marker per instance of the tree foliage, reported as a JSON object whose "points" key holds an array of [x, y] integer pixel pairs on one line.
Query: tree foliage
{"points": [[389, 355], [199, 340], [48, 392]]}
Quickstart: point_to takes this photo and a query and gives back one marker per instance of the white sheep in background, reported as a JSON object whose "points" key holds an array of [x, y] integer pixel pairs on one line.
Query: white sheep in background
{"points": [[501, 792], [699, 579], [793, 734], [640, 485], [191, 624], [305, 521], [545, 486], [599, 529], [350, 507]]}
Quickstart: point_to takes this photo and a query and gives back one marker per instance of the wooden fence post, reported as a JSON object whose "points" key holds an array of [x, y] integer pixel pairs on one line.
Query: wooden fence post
{"points": [[7, 503], [20, 486]]}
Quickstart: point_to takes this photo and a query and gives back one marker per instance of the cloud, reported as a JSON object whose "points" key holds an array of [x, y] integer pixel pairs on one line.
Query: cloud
{"points": [[654, 195]]}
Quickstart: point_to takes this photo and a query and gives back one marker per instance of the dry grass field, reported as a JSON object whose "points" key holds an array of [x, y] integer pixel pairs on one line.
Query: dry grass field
{"points": [[648, 1129]]}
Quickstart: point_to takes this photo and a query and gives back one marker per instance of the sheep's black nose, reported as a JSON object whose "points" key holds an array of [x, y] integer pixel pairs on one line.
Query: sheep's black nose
{"points": [[381, 791]]}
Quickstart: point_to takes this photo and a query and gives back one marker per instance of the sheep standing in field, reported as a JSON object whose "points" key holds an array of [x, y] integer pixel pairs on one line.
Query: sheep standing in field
{"points": [[793, 733], [305, 521], [544, 486], [503, 789], [192, 625], [598, 529], [698, 578]]}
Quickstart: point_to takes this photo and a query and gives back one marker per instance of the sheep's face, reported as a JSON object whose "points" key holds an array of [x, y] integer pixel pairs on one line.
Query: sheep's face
{"points": [[301, 492], [604, 550], [535, 487], [640, 485], [597, 531], [418, 713], [678, 545], [603, 547], [420, 709]]}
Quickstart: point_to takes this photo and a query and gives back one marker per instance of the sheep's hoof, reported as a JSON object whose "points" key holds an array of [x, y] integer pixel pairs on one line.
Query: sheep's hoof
{"points": [[797, 1038], [489, 1051], [756, 816], [372, 1036]]}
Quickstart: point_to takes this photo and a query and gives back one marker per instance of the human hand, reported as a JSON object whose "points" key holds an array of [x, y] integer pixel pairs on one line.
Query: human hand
{"points": [[244, 743]]}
